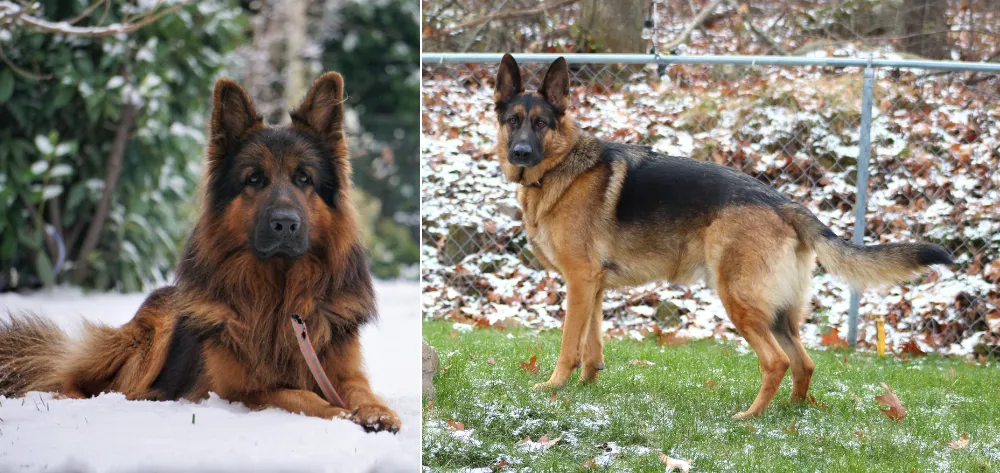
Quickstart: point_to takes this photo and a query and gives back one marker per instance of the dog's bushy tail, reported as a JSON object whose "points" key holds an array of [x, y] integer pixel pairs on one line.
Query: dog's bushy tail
{"points": [[31, 349], [868, 265]]}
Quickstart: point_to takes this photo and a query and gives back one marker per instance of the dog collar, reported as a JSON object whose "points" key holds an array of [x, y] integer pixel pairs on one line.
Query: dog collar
{"points": [[537, 184]]}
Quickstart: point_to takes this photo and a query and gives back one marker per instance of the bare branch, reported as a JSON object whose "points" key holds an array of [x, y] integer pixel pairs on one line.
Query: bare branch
{"points": [[17, 14], [113, 170], [695, 22], [87, 12], [507, 15], [764, 38], [20, 71]]}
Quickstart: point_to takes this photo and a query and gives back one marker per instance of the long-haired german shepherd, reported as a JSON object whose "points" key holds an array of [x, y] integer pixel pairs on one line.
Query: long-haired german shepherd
{"points": [[608, 215], [277, 235]]}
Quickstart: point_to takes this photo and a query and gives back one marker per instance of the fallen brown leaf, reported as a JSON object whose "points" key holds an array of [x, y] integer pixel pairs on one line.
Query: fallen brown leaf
{"points": [[855, 398], [491, 361], [670, 338], [911, 348], [896, 411], [641, 363], [832, 339], [674, 463], [544, 441], [456, 425], [962, 442], [530, 366]]}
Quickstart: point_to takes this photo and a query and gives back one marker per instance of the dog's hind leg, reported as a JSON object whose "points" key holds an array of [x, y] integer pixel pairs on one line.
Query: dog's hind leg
{"points": [[593, 344], [753, 323], [788, 322], [582, 287], [786, 330]]}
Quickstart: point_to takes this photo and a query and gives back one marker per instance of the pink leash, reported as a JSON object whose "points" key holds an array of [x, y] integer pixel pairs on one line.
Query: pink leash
{"points": [[312, 361]]}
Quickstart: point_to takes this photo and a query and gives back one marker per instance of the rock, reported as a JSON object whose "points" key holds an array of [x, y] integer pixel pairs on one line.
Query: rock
{"points": [[430, 366], [462, 241], [528, 259], [512, 211], [667, 314]]}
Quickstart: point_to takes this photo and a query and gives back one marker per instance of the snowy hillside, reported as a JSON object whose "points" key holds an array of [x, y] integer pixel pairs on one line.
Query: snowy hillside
{"points": [[108, 433]]}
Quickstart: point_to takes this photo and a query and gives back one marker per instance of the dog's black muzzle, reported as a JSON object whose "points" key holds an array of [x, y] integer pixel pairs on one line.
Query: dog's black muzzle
{"points": [[281, 233], [524, 155]]}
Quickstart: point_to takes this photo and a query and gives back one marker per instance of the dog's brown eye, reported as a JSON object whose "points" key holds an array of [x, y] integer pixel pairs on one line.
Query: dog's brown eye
{"points": [[256, 179], [512, 120], [539, 123], [302, 178]]}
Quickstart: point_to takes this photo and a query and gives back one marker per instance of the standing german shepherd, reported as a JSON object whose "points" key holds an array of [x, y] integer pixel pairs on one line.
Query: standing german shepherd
{"points": [[278, 235], [608, 215]]}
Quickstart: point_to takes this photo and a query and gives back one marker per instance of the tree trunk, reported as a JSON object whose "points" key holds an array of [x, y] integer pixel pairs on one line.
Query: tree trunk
{"points": [[111, 174], [296, 29], [615, 26], [923, 27]]}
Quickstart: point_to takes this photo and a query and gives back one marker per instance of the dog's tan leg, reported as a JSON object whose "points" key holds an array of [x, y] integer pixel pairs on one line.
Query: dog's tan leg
{"points": [[754, 323], [343, 364], [293, 400], [593, 343], [581, 291]]}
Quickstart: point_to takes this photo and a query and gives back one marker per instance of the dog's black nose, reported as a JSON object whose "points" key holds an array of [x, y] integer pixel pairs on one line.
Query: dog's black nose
{"points": [[521, 152], [285, 222]]}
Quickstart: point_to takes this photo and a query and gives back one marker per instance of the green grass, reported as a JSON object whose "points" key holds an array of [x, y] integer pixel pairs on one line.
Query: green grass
{"points": [[669, 408]]}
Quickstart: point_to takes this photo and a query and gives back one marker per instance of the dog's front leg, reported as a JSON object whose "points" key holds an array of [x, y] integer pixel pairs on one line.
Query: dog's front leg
{"points": [[293, 400], [581, 293], [593, 344], [344, 366]]}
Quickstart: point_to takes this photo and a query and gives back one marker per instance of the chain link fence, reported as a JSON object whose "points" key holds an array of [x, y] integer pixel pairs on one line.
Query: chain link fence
{"points": [[932, 176]]}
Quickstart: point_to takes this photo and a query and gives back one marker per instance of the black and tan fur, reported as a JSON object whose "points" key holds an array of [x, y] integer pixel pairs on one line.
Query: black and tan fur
{"points": [[277, 235], [610, 215]]}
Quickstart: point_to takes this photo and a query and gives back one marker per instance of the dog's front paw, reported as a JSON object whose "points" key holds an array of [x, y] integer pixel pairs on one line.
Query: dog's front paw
{"points": [[549, 386], [376, 418], [745, 415]]}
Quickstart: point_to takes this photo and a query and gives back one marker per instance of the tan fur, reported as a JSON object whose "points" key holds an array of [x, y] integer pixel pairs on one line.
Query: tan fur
{"points": [[236, 303], [570, 222], [760, 259]]}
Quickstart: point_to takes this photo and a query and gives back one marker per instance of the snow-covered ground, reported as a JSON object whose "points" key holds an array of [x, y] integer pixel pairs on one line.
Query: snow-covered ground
{"points": [[109, 433]]}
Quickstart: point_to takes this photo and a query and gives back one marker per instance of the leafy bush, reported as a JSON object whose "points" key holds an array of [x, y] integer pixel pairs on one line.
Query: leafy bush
{"points": [[57, 134]]}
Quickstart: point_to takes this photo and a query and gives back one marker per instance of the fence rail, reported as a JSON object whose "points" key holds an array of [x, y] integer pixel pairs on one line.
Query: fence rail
{"points": [[915, 149], [430, 59]]}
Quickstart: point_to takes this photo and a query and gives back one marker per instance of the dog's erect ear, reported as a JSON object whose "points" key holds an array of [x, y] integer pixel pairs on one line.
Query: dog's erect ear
{"points": [[508, 80], [233, 115], [555, 85], [322, 110]]}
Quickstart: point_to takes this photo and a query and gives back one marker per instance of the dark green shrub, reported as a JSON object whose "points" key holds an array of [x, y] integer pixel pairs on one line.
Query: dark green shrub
{"points": [[376, 45], [56, 136]]}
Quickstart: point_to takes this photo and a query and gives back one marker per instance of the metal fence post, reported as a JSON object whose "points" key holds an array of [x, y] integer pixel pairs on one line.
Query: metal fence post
{"points": [[861, 194]]}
